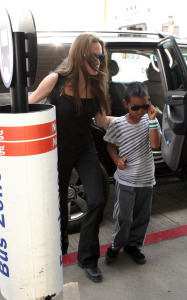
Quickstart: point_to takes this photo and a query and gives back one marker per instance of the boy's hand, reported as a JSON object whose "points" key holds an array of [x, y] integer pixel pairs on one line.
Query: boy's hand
{"points": [[152, 112], [122, 163]]}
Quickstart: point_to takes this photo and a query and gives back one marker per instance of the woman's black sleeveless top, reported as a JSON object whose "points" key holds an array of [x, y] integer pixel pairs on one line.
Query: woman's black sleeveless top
{"points": [[73, 132]]}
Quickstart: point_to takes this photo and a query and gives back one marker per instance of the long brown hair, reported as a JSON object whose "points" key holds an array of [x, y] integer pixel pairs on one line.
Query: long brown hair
{"points": [[70, 67]]}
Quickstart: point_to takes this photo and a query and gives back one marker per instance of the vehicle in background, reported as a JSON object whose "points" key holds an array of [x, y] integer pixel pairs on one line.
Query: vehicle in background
{"points": [[143, 16], [160, 61]]}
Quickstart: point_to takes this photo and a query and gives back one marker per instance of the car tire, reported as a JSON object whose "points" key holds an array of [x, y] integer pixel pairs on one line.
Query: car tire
{"points": [[77, 207]]}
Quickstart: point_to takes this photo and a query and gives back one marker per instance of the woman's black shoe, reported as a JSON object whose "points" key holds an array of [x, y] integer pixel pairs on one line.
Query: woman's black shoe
{"points": [[94, 274]]}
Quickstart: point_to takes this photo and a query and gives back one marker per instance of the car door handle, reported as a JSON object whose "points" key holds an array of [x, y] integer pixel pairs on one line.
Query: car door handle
{"points": [[175, 100], [172, 118]]}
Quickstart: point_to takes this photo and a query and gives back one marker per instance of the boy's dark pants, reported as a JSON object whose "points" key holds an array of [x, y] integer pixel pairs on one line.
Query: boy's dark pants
{"points": [[132, 209]]}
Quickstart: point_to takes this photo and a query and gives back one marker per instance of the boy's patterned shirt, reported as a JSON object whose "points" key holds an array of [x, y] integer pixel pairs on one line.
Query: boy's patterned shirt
{"points": [[133, 143]]}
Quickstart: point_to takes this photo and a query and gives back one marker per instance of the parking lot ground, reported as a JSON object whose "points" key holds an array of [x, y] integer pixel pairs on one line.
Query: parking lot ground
{"points": [[163, 277]]}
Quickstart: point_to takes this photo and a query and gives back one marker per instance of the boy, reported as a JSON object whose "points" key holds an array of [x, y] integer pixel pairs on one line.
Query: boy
{"points": [[135, 134]]}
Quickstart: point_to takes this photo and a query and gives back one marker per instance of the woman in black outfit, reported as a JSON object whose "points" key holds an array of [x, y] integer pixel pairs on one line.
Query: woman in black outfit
{"points": [[79, 90]]}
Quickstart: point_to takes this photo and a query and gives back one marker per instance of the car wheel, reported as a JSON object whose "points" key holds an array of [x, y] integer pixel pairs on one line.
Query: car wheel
{"points": [[77, 201]]}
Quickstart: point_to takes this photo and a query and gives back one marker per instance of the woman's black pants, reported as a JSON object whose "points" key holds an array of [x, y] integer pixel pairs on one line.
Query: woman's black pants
{"points": [[87, 165]]}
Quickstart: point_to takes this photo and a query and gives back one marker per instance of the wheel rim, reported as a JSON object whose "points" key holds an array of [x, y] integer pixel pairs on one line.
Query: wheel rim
{"points": [[77, 206]]}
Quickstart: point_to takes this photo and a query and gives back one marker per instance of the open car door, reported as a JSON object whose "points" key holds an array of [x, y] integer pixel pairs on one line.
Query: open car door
{"points": [[174, 122]]}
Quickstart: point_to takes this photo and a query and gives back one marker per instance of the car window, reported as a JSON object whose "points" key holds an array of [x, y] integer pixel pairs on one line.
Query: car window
{"points": [[132, 67], [184, 53], [175, 79]]}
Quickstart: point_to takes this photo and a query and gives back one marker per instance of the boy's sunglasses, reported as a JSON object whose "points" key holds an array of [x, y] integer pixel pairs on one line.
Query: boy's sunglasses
{"points": [[100, 57], [135, 107]]}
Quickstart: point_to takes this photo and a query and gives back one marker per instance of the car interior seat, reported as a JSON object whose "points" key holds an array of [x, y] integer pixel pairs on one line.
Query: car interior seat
{"points": [[156, 90], [116, 91]]}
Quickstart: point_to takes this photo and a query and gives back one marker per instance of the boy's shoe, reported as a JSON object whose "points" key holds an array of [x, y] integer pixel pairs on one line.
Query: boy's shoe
{"points": [[111, 255], [135, 253]]}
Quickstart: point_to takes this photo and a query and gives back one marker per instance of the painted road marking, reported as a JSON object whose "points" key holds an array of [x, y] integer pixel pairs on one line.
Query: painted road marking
{"points": [[151, 238]]}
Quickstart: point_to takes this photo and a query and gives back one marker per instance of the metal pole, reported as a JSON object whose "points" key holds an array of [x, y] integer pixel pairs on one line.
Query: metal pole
{"points": [[18, 89]]}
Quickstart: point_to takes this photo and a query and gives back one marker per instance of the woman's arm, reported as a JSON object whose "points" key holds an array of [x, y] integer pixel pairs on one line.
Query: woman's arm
{"points": [[101, 120], [44, 88]]}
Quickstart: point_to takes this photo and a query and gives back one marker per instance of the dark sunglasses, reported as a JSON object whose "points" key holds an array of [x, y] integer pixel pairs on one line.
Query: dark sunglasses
{"points": [[135, 107], [100, 57]]}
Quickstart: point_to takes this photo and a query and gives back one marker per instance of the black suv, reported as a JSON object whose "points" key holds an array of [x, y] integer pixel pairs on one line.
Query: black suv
{"points": [[158, 60]]}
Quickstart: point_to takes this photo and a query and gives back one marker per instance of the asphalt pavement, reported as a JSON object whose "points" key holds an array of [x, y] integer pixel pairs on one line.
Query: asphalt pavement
{"points": [[163, 277]]}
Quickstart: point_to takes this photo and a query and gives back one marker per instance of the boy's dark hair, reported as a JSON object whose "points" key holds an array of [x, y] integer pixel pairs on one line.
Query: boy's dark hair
{"points": [[136, 89]]}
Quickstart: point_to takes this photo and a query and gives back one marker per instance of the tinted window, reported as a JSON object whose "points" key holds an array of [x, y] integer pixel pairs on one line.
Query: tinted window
{"points": [[132, 67], [174, 75], [184, 53]]}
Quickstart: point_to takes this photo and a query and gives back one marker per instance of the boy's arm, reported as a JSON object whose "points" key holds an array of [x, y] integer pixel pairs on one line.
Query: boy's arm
{"points": [[154, 127], [119, 162]]}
